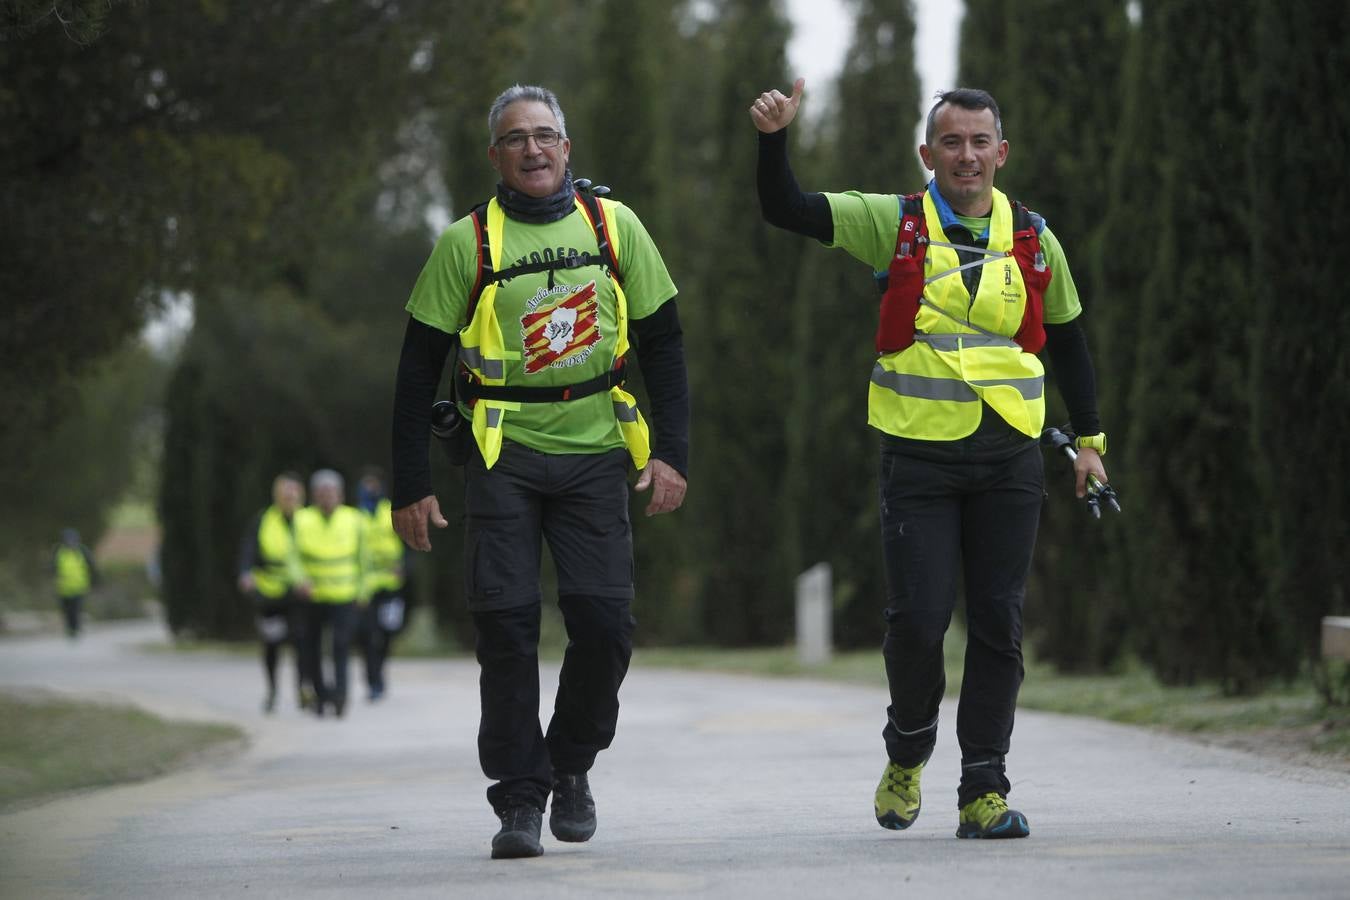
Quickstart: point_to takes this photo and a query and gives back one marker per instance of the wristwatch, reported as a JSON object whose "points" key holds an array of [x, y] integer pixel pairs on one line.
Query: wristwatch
{"points": [[1092, 441]]}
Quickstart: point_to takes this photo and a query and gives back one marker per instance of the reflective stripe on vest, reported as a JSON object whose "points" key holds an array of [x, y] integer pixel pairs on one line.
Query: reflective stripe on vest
{"points": [[963, 350], [330, 551], [72, 572], [276, 546], [483, 351]]}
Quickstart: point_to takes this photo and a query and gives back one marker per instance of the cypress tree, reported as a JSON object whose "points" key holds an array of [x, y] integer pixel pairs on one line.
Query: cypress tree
{"points": [[983, 60], [1196, 580], [865, 143], [1297, 369], [1054, 66], [737, 328]]}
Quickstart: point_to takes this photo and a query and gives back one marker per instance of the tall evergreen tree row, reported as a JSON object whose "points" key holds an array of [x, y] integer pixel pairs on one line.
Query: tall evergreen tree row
{"points": [[1297, 369], [275, 163], [1223, 563]]}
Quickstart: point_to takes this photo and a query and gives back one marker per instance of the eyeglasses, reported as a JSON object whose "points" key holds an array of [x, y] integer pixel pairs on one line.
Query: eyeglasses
{"points": [[517, 140]]}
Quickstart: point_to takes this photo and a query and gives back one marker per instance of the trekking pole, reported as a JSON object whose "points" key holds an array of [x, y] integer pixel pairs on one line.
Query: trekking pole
{"points": [[1097, 492]]}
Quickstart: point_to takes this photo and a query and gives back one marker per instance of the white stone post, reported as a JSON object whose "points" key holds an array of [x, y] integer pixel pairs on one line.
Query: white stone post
{"points": [[815, 606]]}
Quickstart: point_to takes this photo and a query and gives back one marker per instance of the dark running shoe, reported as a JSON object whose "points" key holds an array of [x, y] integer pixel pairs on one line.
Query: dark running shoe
{"points": [[988, 816], [572, 815], [519, 834]]}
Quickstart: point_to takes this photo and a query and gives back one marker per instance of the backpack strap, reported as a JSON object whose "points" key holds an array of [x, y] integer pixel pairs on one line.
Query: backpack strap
{"points": [[483, 274], [1036, 274], [911, 240], [600, 224], [912, 237], [902, 283], [465, 388]]}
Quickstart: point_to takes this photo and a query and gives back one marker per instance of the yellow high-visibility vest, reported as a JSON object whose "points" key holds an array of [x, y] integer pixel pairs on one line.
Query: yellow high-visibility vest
{"points": [[277, 570], [332, 552], [385, 551], [72, 572], [483, 351], [963, 350]]}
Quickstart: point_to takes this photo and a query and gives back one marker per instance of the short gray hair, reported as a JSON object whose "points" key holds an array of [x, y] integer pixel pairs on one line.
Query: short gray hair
{"points": [[518, 92], [325, 477]]}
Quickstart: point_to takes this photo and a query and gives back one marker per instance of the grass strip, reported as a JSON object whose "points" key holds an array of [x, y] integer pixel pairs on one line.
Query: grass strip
{"points": [[52, 745], [1131, 696]]}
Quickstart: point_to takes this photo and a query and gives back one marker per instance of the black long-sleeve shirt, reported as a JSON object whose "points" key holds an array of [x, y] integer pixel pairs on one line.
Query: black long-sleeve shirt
{"points": [[657, 341], [785, 205]]}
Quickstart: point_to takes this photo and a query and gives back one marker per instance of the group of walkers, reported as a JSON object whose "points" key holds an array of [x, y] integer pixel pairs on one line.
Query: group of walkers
{"points": [[321, 578], [536, 298], [537, 295]]}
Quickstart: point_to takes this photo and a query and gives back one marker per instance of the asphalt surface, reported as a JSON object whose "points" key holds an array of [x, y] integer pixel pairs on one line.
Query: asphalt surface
{"points": [[717, 786]]}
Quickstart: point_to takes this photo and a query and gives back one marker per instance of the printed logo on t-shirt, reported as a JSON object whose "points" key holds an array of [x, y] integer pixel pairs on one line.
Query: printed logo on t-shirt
{"points": [[560, 327]]}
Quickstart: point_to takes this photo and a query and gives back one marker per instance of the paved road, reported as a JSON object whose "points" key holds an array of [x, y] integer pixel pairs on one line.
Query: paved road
{"points": [[718, 786]]}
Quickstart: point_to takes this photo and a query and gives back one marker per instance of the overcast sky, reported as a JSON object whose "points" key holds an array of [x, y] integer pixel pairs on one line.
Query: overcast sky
{"points": [[822, 30]]}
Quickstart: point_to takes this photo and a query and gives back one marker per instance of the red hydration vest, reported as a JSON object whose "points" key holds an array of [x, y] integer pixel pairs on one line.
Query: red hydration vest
{"points": [[902, 285]]}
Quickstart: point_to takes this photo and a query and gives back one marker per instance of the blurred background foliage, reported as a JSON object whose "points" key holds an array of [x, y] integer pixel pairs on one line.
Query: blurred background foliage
{"points": [[282, 169]]}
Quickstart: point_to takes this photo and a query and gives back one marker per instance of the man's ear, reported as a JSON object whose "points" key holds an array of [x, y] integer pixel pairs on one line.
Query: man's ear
{"points": [[927, 156]]}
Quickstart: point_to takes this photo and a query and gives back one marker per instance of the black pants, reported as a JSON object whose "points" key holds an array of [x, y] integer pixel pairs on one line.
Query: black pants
{"points": [[579, 504], [972, 516], [512, 748], [339, 620], [279, 616], [71, 607], [374, 636]]}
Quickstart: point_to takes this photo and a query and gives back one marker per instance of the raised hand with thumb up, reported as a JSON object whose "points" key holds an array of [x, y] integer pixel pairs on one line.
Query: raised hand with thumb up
{"points": [[772, 111]]}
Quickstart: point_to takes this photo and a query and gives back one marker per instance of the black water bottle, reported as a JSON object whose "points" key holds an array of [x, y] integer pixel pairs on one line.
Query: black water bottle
{"points": [[445, 419]]}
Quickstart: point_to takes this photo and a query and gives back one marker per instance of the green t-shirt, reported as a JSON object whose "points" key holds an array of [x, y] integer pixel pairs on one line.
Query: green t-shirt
{"points": [[866, 226], [571, 327]]}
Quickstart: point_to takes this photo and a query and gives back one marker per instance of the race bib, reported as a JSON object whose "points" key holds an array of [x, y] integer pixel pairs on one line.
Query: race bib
{"points": [[390, 614], [272, 629]]}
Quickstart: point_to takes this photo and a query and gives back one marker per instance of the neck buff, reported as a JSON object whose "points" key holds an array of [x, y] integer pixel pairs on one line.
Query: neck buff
{"points": [[538, 210]]}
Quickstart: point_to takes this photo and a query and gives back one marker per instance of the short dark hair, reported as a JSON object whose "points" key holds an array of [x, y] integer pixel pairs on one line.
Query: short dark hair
{"points": [[966, 98]]}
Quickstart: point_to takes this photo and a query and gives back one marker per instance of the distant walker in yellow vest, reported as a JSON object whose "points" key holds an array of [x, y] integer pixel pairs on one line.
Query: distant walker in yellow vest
{"points": [[975, 285], [269, 570], [385, 611], [73, 566], [331, 539]]}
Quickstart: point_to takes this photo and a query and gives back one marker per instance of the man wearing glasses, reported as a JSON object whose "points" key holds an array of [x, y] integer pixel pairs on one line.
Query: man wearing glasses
{"points": [[543, 288], [975, 285]]}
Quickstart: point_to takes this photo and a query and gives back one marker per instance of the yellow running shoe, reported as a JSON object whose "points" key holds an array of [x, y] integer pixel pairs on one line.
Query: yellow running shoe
{"points": [[988, 816], [897, 801]]}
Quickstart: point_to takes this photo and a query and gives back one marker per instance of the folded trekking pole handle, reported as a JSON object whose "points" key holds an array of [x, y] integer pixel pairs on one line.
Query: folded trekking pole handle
{"points": [[1097, 492]]}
